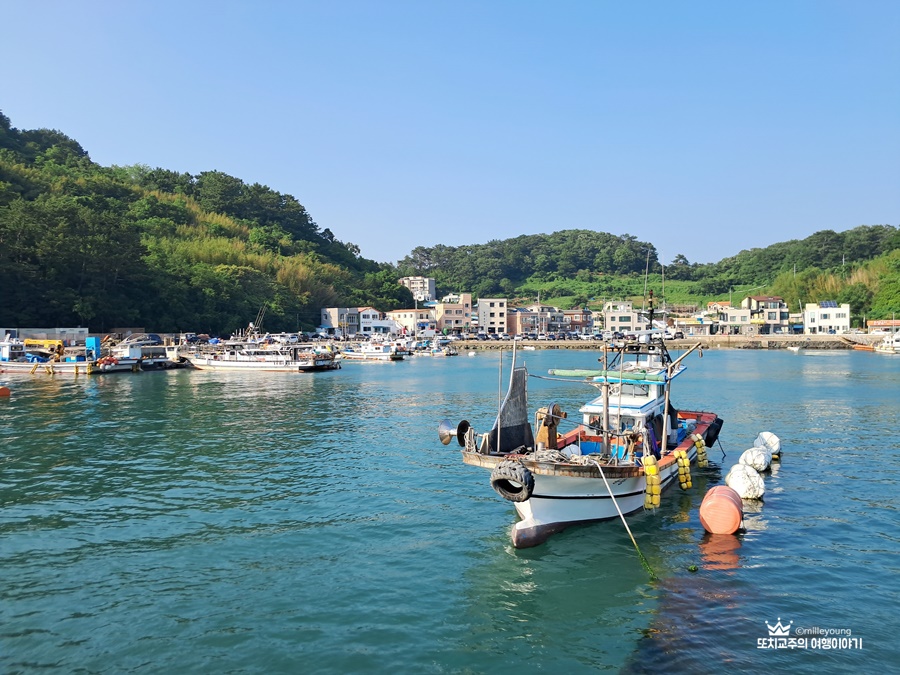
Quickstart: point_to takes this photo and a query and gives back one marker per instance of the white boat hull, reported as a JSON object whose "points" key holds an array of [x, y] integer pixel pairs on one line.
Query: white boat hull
{"points": [[560, 501], [273, 366], [356, 356], [69, 367]]}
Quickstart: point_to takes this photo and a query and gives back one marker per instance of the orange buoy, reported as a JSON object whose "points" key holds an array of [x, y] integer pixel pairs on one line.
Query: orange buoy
{"points": [[722, 510], [4, 391]]}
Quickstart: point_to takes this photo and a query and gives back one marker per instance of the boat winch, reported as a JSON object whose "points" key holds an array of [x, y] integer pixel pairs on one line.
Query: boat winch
{"points": [[548, 419]]}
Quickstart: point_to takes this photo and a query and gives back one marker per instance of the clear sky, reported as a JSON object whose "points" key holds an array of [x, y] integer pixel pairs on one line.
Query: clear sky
{"points": [[703, 127]]}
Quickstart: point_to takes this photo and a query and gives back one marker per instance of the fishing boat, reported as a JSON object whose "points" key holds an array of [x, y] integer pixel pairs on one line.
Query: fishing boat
{"points": [[276, 357], [889, 345], [150, 354], [52, 357], [628, 446], [372, 351]]}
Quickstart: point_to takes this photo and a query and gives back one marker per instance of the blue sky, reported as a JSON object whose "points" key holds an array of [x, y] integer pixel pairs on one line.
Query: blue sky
{"points": [[703, 127]]}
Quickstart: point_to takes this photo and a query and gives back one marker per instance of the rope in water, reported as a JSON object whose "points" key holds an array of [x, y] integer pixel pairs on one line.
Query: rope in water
{"points": [[643, 560]]}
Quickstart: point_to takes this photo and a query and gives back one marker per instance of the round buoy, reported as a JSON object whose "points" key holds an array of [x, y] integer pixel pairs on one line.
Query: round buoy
{"points": [[721, 511], [4, 391]]}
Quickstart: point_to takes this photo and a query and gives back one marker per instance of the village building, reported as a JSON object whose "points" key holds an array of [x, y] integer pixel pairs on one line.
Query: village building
{"points": [[768, 313], [454, 313], [412, 322], [422, 288], [492, 315], [826, 317], [621, 317]]}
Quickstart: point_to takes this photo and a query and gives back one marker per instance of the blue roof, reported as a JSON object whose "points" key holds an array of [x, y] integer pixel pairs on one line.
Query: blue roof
{"points": [[828, 304]]}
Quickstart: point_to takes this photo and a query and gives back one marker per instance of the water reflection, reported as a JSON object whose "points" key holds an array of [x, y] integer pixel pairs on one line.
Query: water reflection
{"points": [[720, 551]]}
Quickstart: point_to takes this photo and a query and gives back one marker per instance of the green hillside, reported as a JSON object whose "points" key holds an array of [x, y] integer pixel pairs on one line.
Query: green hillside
{"points": [[104, 247]]}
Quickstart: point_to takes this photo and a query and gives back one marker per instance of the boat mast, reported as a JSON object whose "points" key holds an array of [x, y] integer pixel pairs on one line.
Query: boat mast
{"points": [[605, 390]]}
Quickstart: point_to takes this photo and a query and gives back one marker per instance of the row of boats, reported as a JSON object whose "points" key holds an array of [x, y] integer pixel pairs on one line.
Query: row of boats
{"points": [[253, 352]]}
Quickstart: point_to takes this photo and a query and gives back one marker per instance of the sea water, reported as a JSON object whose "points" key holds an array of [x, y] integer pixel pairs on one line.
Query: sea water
{"points": [[195, 522]]}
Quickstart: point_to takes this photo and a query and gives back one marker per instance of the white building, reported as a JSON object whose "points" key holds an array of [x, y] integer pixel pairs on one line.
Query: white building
{"points": [[422, 288], [826, 317], [735, 321], [338, 321], [419, 321], [492, 315], [621, 317]]}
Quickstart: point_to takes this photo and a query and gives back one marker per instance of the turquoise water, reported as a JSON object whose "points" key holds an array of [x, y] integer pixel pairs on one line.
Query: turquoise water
{"points": [[280, 523]]}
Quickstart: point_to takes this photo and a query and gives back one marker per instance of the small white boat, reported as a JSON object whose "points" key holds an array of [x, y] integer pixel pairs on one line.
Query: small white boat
{"points": [[889, 345], [368, 351], [794, 348], [265, 358]]}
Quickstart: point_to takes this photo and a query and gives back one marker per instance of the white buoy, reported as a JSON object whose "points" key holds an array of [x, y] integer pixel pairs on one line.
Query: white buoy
{"points": [[756, 457], [770, 442], [746, 482]]}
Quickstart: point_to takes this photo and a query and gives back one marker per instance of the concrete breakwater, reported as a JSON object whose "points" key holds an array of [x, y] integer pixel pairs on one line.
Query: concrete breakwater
{"points": [[707, 342]]}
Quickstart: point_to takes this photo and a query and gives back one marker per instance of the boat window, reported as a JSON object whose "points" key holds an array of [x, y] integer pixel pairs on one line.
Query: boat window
{"points": [[639, 390]]}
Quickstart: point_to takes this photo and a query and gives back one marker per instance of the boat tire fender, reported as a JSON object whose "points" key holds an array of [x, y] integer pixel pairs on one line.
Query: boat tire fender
{"points": [[712, 434], [512, 481]]}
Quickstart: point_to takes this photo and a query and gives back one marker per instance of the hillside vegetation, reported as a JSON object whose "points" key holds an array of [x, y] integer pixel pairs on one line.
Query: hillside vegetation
{"points": [[104, 247], [83, 244]]}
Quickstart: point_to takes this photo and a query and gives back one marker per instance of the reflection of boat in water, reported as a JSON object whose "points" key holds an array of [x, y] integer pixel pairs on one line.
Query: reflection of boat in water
{"points": [[628, 447]]}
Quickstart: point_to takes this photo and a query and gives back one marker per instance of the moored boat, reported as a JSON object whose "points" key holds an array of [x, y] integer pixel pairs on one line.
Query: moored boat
{"points": [[150, 354], [628, 447], [54, 358], [889, 345], [248, 357], [372, 351]]}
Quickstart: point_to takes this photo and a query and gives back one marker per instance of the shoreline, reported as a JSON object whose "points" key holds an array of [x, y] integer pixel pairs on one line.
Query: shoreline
{"points": [[706, 342]]}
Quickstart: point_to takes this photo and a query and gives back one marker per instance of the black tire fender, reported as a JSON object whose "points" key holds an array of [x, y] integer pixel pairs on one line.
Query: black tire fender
{"points": [[712, 434], [512, 481]]}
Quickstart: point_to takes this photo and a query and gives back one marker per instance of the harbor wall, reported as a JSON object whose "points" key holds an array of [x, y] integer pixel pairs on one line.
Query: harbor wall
{"points": [[706, 341]]}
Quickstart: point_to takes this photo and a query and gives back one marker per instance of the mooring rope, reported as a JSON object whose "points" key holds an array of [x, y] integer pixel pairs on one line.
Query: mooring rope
{"points": [[644, 562]]}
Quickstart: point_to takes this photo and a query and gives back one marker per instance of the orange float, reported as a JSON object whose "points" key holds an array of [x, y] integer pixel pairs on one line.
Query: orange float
{"points": [[722, 511], [4, 392]]}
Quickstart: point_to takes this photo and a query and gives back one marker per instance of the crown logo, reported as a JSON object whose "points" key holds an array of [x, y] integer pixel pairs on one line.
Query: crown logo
{"points": [[779, 629]]}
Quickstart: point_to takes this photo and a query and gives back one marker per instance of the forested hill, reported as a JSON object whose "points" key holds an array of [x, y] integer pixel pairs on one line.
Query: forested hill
{"points": [[504, 266], [87, 245], [82, 244]]}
